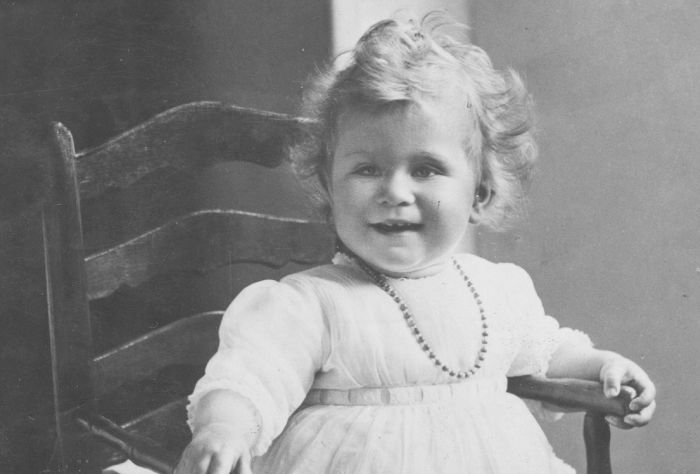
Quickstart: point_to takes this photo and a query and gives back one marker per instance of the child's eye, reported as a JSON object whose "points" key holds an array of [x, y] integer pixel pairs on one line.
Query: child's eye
{"points": [[426, 171], [366, 170]]}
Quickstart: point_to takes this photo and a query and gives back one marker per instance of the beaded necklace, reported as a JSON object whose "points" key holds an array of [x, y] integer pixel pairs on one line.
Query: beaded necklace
{"points": [[383, 282]]}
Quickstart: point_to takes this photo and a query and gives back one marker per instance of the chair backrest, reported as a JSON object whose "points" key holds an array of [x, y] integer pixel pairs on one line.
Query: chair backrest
{"points": [[126, 240]]}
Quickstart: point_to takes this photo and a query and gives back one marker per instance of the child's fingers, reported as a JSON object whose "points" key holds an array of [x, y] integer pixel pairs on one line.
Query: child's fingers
{"points": [[221, 463], [642, 417], [618, 422], [192, 462], [612, 379], [644, 399], [244, 464], [646, 392], [633, 420], [628, 391], [198, 466]]}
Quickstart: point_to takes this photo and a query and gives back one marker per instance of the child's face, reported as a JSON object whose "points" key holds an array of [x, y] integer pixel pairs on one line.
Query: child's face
{"points": [[402, 185]]}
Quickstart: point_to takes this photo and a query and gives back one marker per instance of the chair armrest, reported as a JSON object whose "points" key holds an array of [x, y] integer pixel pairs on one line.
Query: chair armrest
{"points": [[579, 395], [571, 394], [140, 450]]}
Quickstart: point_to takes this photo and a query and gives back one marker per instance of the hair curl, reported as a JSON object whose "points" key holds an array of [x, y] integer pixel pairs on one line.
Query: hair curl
{"points": [[400, 62]]}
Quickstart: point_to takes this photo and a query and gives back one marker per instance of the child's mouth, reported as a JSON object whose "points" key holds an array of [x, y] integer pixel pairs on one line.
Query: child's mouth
{"points": [[395, 227]]}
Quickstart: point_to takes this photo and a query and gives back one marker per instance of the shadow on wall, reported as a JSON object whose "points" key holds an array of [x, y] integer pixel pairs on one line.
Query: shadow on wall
{"points": [[101, 68]]}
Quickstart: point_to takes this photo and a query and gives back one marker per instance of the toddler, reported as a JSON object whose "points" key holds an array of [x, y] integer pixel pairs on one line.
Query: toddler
{"points": [[394, 358]]}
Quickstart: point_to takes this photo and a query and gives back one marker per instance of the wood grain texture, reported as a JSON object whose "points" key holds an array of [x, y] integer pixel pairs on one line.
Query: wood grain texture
{"points": [[596, 434], [188, 137], [68, 314], [573, 394], [167, 424], [118, 215], [579, 395], [140, 449], [134, 202], [204, 240], [70, 337], [189, 341]]}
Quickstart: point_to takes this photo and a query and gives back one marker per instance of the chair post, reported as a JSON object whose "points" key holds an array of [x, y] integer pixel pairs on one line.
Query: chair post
{"points": [[596, 435], [67, 306]]}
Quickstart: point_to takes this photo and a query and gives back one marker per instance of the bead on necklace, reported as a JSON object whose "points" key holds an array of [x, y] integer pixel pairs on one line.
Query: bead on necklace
{"points": [[383, 282]]}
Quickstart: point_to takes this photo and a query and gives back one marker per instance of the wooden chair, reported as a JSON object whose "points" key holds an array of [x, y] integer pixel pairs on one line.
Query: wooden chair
{"points": [[124, 239]]}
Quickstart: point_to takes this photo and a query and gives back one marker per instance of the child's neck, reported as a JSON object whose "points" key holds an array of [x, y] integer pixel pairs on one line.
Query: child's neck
{"points": [[427, 271]]}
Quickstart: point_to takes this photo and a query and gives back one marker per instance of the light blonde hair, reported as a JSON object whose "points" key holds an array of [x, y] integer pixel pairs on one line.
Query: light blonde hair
{"points": [[401, 62]]}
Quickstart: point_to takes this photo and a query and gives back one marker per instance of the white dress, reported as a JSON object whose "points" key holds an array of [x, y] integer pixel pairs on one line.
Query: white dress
{"points": [[342, 386]]}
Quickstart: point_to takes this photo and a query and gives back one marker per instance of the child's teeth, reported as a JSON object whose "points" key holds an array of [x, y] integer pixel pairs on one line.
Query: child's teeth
{"points": [[396, 226]]}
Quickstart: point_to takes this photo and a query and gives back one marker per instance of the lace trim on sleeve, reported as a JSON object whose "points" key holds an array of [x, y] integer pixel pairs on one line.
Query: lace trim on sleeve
{"points": [[256, 360], [535, 352], [250, 388], [539, 334], [575, 337], [564, 335]]}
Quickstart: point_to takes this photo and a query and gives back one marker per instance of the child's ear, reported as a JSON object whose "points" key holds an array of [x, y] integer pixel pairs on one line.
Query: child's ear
{"points": [[482, 199]]}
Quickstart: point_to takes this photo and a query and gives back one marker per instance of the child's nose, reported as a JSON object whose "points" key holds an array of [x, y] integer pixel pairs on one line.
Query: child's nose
{"points": [[396, 190]]}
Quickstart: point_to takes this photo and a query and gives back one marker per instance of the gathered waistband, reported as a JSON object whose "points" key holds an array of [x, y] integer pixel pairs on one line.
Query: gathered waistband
{"points": [[407, 395]]}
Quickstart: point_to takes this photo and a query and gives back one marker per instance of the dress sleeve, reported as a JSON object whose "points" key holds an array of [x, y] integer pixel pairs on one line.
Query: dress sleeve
{"points": [[538, 335], [272, 340]]}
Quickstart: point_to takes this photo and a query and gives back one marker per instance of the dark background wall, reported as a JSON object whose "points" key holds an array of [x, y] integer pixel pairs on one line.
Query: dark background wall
{"points": [[100, 68], [613, 240]]}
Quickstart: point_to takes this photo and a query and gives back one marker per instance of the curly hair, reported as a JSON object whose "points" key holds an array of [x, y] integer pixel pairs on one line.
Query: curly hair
{"points": [[401, 62]]}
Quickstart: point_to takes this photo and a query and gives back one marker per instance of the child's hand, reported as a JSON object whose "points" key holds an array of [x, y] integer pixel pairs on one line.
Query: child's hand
{"points": [[621, 374], [216, 449]]}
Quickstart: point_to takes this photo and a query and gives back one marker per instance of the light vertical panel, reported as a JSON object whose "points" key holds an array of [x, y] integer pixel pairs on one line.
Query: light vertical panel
{"points": [[350, 18]]}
